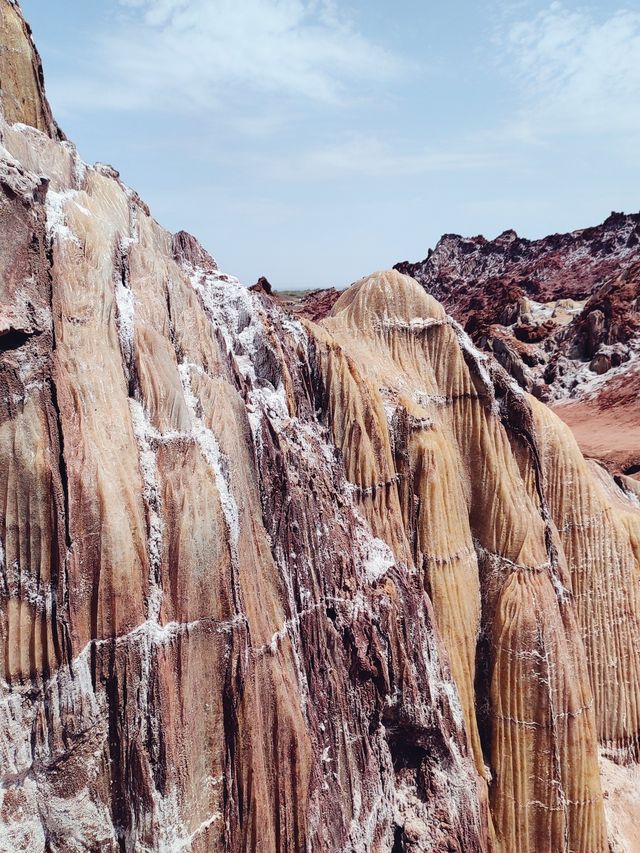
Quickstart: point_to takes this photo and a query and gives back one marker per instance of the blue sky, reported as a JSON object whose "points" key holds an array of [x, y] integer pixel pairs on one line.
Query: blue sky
{"points": [[314, 141]]}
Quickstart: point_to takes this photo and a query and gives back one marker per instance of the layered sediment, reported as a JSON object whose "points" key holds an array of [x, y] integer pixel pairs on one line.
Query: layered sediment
{"points": [[268, 584]]}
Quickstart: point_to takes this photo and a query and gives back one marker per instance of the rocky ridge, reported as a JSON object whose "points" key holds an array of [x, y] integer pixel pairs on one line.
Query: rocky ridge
{"points": [[278, 585], [312, 304], [561, 266], [562, 315]]}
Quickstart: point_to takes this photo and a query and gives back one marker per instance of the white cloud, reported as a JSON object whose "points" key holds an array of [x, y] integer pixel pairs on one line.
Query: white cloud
{"points": [[196, 54], [577, 72], [373, 157]]}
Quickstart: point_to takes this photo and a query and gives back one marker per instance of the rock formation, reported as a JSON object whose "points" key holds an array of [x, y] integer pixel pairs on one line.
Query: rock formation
{"points": [[310, 304], [21, 76], [496, 273], [268, 584], [562, 316]]}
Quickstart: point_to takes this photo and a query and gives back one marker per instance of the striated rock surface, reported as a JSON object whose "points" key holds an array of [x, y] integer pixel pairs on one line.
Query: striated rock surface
{"points": [[268, 584], [506, 522], [21, 78], [562, 316]]}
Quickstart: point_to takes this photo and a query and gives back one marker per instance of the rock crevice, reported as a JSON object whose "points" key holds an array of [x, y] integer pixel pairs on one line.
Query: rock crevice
{"points": [[270, 584]]}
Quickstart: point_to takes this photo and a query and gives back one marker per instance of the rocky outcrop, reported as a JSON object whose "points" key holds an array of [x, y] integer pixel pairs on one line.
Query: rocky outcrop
{"points": [[262, 285], [205, 647], [268, 584], [190, 254], [504, 520], [21, 77], [561, 315], [481, 281], [311, 305]]}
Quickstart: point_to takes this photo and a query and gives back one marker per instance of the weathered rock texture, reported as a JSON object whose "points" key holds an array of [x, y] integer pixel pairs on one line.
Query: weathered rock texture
{"points": [[21, 78], [562, 316], [310, 304], [496, 273], [272, 585]]}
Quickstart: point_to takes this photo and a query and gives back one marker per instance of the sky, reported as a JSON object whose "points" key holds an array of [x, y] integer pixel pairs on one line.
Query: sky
{"points": [[315, 141]]}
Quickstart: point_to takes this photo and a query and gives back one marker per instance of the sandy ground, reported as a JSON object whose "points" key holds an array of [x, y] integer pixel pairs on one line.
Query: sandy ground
{"points": [[607, 427], [621, 788]]}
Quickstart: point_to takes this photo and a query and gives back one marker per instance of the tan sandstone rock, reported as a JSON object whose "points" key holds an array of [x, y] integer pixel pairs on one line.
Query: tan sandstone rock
{"points": [[271, 585]]}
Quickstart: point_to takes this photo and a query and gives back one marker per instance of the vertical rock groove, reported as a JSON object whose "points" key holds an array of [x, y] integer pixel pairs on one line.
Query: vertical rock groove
{"points": [[275, 585]]}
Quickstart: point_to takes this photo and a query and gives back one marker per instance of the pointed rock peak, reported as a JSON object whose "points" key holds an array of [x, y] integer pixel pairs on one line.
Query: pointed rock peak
{"points": [[22, 95], [262, 285], [507, 236], [188, 251]]}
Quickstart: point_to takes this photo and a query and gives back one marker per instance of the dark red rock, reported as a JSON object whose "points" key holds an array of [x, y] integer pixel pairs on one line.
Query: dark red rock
{"points": [[477, 278], [262, 285], [187, 250], [611, 314], [313, 305]]}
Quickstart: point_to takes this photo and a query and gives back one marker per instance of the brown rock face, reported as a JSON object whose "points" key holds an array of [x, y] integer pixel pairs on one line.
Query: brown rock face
{"points": [[21, 77], [562, 316], [275, 585], [262, 285], [189, 253]]}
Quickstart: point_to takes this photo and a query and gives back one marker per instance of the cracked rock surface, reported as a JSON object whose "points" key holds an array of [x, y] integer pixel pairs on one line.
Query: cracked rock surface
{"points": [[269, 584]]}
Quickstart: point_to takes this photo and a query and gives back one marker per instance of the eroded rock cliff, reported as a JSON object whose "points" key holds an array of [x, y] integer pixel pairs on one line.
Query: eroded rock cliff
{"points": [[275, 585], [562, 316]]}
